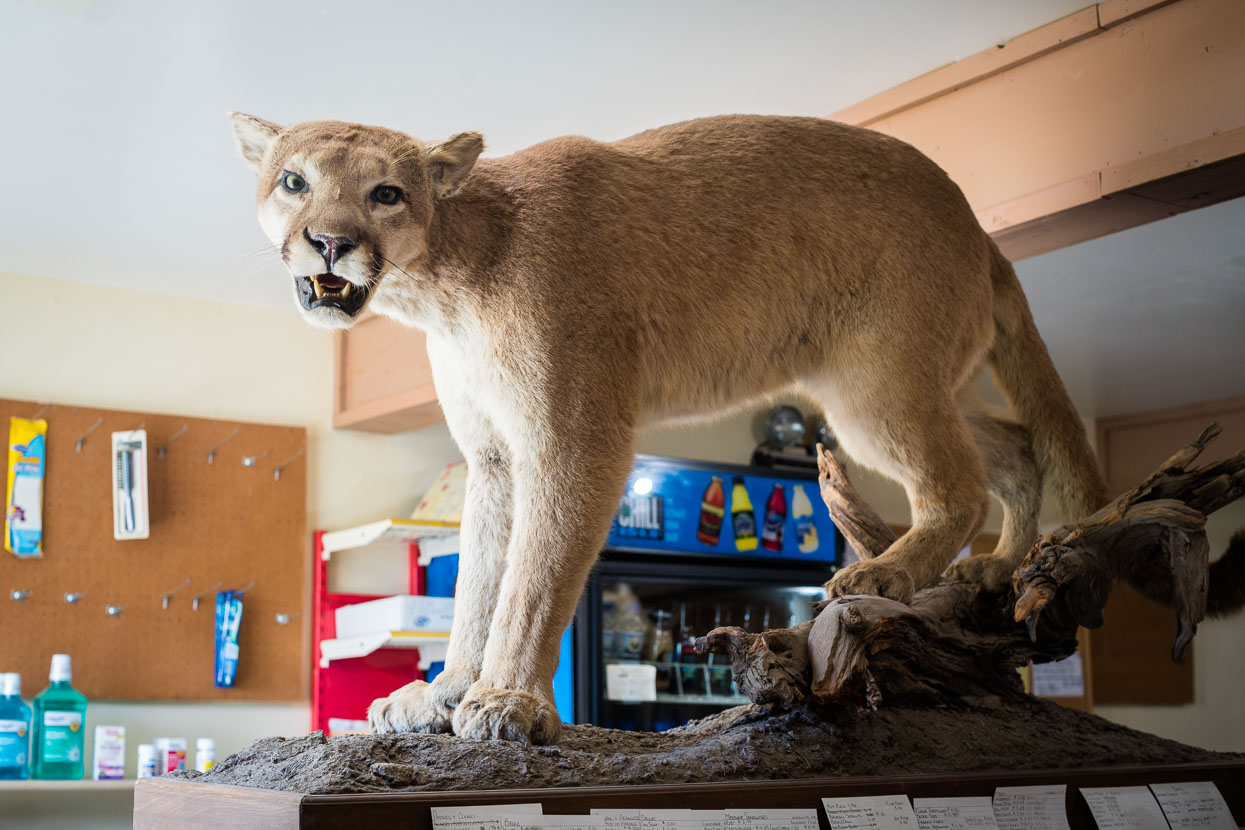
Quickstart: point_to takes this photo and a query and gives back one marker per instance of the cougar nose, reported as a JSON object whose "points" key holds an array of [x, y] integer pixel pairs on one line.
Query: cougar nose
{"points": [[332, 248]]}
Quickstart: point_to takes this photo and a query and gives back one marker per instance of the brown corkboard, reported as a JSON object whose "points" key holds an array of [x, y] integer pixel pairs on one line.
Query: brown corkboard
{"points": [[221, 522]]}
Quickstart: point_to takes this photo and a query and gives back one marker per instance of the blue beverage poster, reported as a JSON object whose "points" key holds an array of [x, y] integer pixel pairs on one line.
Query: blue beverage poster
{"points": [[688, 507]]}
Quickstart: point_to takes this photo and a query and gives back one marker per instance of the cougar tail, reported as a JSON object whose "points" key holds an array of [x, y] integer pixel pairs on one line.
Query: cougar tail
{"points": [[1028, 380], [1225, 582], [1227, 579]]}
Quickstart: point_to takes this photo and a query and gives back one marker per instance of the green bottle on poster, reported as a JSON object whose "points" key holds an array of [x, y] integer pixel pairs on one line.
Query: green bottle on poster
{"points": [[58, 734]]}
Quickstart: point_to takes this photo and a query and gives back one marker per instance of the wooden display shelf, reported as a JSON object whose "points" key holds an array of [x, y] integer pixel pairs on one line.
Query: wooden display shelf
{"points": [[400, 531], [163, 802], [431, 645], [32, 785]]}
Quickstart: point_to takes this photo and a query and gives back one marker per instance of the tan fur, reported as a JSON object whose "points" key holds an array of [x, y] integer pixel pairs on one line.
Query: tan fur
{"points": [[576, 292]]}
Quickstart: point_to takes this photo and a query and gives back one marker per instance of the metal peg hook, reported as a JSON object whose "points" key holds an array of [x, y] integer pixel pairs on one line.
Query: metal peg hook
{"points": [[19, 594], [211, 454], [72, 597], [248, 587], [276, 471], [164, 598], [42, 409], [194, 601], [160, 449], [252, 460], [285, 619], [115, 610], [81, 438]]}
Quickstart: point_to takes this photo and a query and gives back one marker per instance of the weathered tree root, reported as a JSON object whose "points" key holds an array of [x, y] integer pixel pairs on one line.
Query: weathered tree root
{"points": [[956, 640]]}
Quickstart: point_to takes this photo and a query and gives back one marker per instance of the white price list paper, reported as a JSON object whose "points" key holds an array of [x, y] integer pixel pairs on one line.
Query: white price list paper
{"points": [[645, 819], [870, 812], [1043, 807], [539, 822], [964, 813], [771, 819], [1194, 805], [1062, 678], [632, 682], [479, 818], [1124, 808]]}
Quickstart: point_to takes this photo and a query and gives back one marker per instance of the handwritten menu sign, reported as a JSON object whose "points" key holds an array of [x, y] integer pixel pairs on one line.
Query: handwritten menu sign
{"points": [[964, 813], [1194, 805], [479, 818], [642, 819], [539, 822], [1031, 808], [1124, 808], [772, 819], [870, 812]]}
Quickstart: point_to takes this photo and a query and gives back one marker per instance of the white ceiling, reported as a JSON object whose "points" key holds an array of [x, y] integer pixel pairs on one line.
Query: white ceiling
{"points": [[116, 165]]}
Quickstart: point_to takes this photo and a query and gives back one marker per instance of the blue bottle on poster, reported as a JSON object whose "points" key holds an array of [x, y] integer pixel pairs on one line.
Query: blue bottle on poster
{"points": [[14, 730]]}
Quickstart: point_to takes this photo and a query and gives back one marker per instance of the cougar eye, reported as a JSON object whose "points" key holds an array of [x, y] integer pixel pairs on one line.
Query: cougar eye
{"points": [[293, 182], [386, 195]]}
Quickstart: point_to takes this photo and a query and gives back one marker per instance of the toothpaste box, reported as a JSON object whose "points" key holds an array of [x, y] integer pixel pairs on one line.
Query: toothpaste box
{"points": [[400, 613], [109, 762]]}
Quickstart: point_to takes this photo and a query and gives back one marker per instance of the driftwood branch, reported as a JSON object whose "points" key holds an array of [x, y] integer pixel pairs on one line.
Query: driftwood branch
{"points": [[864, 530], [956, 640]]}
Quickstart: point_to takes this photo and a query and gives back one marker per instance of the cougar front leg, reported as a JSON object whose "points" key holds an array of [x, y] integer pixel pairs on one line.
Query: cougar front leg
{"points": [[565, 494], [429, 707]]}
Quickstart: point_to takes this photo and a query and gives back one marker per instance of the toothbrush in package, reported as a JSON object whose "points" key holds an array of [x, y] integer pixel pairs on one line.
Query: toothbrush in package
{"points": [[228, 620], [130, 517]]}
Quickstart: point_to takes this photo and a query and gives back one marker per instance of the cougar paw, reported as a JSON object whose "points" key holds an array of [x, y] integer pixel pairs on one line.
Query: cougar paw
{"points": [[873, 576], [506, 715], [993, 573], [416, 707]]}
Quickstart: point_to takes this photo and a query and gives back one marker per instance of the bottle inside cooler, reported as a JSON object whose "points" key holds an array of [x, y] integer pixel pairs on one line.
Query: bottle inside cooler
{"points": [[667, 619]]}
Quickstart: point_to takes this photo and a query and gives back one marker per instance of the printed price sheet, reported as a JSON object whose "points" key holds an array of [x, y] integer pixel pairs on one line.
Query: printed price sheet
{"points": [[870, 812], [1042, 807]]}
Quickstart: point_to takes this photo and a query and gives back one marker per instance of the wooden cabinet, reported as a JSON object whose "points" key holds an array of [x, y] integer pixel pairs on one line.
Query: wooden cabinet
{"points": [[382, 378], [1132, 650]]}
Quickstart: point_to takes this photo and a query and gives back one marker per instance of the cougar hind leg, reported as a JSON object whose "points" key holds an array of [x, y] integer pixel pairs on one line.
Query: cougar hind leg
{"points": [[1013, 478], [913, 433]]}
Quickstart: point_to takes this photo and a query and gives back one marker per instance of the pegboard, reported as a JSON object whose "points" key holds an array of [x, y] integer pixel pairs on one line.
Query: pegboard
{"points": [[222, 522]]}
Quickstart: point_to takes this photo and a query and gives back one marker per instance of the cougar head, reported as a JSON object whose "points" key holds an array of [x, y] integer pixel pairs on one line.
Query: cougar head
{"points": [[348, 205]]}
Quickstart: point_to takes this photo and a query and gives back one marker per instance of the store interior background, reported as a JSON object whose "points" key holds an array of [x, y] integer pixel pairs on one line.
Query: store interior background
{"points": [[128, 217]]}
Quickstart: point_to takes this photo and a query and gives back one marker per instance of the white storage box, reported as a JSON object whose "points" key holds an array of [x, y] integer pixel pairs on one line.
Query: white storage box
{"points": [[400, 613]]}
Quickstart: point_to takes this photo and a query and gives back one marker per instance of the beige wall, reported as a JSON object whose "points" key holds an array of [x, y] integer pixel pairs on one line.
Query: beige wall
{"points": [[109, 347], [76, 343]]}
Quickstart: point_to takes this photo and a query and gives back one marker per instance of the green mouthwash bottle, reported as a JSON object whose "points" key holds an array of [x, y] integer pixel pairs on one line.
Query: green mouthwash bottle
{"points": [[59, 731], [14, 730]]}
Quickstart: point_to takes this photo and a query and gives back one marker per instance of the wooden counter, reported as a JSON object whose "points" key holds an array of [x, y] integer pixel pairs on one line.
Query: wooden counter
{"points": [[160, 802]]}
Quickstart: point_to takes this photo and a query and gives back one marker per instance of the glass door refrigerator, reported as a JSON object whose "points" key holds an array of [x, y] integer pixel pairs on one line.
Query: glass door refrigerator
{"points": [[693, 546]]}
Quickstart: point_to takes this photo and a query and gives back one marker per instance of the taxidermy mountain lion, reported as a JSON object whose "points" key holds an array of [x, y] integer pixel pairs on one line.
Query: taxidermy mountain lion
{"points": [[577, 292]]}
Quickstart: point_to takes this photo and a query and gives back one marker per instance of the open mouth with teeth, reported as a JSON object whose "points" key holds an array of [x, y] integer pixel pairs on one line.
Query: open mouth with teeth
{"points": [[332, 291]]}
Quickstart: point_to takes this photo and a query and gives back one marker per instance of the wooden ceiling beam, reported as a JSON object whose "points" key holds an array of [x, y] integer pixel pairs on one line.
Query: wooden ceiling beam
{"points": [[1120, 114]]}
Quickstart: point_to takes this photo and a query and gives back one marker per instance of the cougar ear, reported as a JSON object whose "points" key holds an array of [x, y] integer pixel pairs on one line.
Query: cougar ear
{"points": [[253, 136], [450, 162]]}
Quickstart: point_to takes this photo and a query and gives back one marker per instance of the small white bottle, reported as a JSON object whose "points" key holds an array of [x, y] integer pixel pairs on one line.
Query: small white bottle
{"points": [[146, 761], [205, 754]]}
